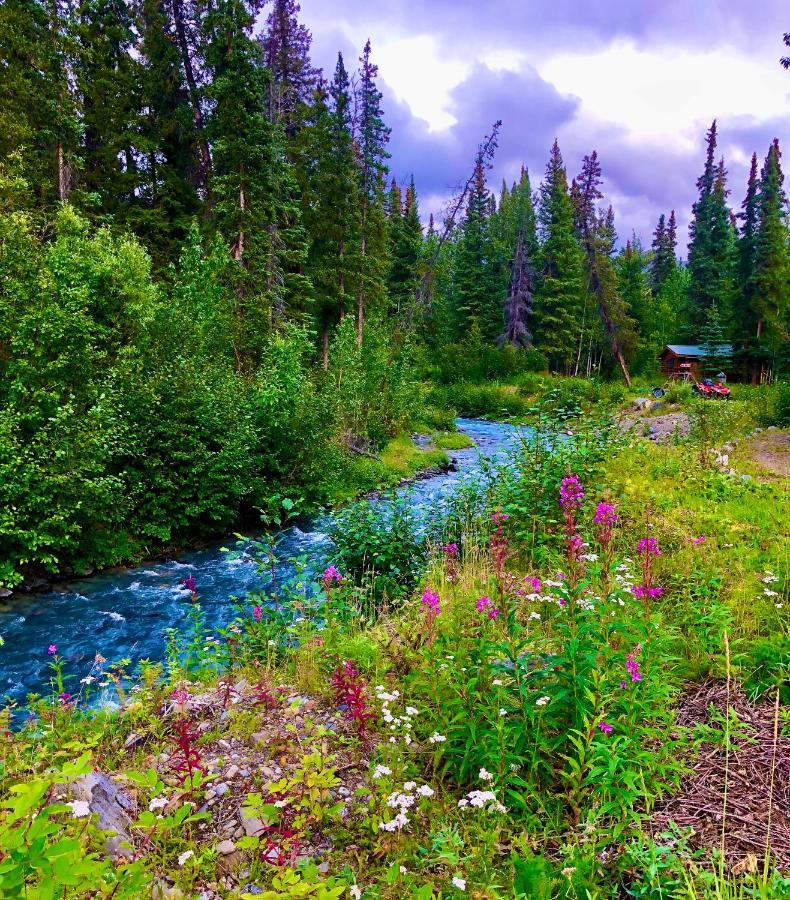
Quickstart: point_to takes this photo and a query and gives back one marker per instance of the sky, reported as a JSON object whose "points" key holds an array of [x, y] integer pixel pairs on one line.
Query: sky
{"points": [[637, 80]]}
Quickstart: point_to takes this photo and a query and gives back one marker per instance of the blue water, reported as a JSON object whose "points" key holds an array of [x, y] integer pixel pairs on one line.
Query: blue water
{"points": [[124, 614]]}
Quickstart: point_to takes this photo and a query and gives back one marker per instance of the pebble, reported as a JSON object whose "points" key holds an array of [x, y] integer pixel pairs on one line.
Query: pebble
{"points": [[221, 789], [252, 889], [223, 743], [252, 826], [232, 772], [226, 847]]}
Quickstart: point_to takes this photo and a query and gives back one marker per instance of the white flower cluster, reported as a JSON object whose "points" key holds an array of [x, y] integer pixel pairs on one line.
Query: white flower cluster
{"points": [[398, 723], [403, 800], [480, 799], [380, 771], [436, 738]]}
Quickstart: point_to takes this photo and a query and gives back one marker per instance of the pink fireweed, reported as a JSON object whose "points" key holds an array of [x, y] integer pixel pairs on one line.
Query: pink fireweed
{"points": [[499, 518], [498, 545], [52, 649], [571, 496], [257, 613], [632, 665], [648, 546], [451, 553], [331, 578], [533, 582], [605, 519], [180, 697], [698, 540], [571, 493], [605, 727], [430, 600], [641, 592], [482, 603], [493, 613]]}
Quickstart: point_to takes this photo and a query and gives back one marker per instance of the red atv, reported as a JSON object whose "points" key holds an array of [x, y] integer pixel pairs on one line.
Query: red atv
{"points": [[706, 388]]}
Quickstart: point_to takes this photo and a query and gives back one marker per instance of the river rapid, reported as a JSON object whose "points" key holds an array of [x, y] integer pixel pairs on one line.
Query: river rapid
{"points": [[124, 614]]}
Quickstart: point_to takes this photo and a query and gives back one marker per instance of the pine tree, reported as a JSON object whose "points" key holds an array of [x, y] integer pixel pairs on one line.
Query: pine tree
{"points": [[38, 113], [597, 236], [168, 141], [372, 136], [711, 248], [744, 319], [109, 84], [558, 308], [518, 210], [634, 276], [476, 280], [286, 52], [254, 192], [664, 261], [405, 237], [772, 256]]}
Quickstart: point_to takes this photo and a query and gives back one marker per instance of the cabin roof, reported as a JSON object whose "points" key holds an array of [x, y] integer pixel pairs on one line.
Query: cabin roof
{"points": [[697, 350]]}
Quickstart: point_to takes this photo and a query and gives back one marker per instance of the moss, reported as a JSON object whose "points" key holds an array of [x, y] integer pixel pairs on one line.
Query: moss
{"points": [[452, 440]]}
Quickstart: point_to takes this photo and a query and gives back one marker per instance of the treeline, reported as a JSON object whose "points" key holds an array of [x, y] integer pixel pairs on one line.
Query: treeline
{"points": [[210, 289], [540, 271]]}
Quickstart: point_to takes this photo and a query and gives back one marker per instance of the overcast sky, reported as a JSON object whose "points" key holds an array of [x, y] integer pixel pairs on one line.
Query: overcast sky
{"points": [[637, 81]]}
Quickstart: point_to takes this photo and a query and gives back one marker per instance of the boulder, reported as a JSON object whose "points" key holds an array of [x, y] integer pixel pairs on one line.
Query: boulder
{"points": [[113, 807]]}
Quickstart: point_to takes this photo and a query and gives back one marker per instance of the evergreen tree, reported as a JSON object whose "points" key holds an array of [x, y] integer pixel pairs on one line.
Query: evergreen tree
{"points": [[559, 299], [405, 236], [168, 142], [744, 318], [711, 248], [38, 114], [634, 270], [664, 260], [254, 192], [772, 256], [597, 237], [286, 45], [372, 136], [109, 83], [518, 210], [476, 281]]}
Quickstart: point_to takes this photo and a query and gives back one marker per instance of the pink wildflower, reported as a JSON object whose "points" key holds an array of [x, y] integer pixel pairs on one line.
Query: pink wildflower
{"points": [[698, 540], [605, 514], [431, 600], [498, 518], [482, 603], [605, 727], [493, 613], [450, 550], [180, 696], [331, 576], [632, 665], [257, 613], [52, 649], [534, 583], [648, 546], [571, 493]]}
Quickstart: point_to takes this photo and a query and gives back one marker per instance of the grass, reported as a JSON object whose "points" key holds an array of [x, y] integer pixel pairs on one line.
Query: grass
{"points": [[536, 704]]}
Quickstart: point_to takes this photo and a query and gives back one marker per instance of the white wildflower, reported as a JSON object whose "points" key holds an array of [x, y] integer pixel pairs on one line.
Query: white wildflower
{"points": [[535, 616], [157, 803], [485, 775], [425, 790], [404, 870], [436, 738], [460, 883], [80, 808], [502, 712], [183, 857], [542, 701], [497, 682], [769, 593], [380, 771], [411, 711], [410, 786], [355, 891]]}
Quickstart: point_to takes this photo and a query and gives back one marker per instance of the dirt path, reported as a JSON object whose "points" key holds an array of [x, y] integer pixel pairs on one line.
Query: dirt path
{"points": [[771, 451]]}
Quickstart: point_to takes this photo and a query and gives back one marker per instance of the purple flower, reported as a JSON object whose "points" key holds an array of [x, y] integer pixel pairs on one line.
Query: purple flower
{"points": [[180, 696], [431, 600], [655, 591], [493, 613], [450, 550], [698, 540], [622, 684], [605, 727], [257, 613], [571, 493], [605, 514], [499, 517], [190, 584], [482, 603], [64, 697], [632, 665], [648, 546], [331, 576], [534, 583], [52, 649]]}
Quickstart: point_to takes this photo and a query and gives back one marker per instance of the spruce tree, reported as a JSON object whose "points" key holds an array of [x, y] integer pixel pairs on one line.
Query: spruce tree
{"points": [[711, 248], [109, 84], [559, 298], [286, 52], [255, 204], [478, 306], [38, 111], [168, 142], [372, 136], [744, 318], [521, 234], [772, 256], [664, 261], [405, 237], [597, 237]]}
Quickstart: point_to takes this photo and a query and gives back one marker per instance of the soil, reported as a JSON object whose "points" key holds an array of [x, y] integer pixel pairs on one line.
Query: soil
{"points": [[771, 451], [659, 428]]}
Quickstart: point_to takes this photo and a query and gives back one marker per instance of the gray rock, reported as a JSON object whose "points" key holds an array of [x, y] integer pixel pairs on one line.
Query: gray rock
{"points": [[232, 772], [221, 789], [253, 827], [113, 806], [252, 889], [226, 848]]}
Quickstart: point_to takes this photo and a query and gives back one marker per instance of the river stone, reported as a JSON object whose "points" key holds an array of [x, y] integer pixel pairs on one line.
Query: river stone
{"points": [[253, 827], [221, 789], [232, 772], [113, 805], [226, 848]]}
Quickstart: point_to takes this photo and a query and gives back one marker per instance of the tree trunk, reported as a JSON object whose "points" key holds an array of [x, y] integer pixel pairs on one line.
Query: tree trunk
{"points": [[63, 175], [189, 74], [325, 347], [361, 295]]}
